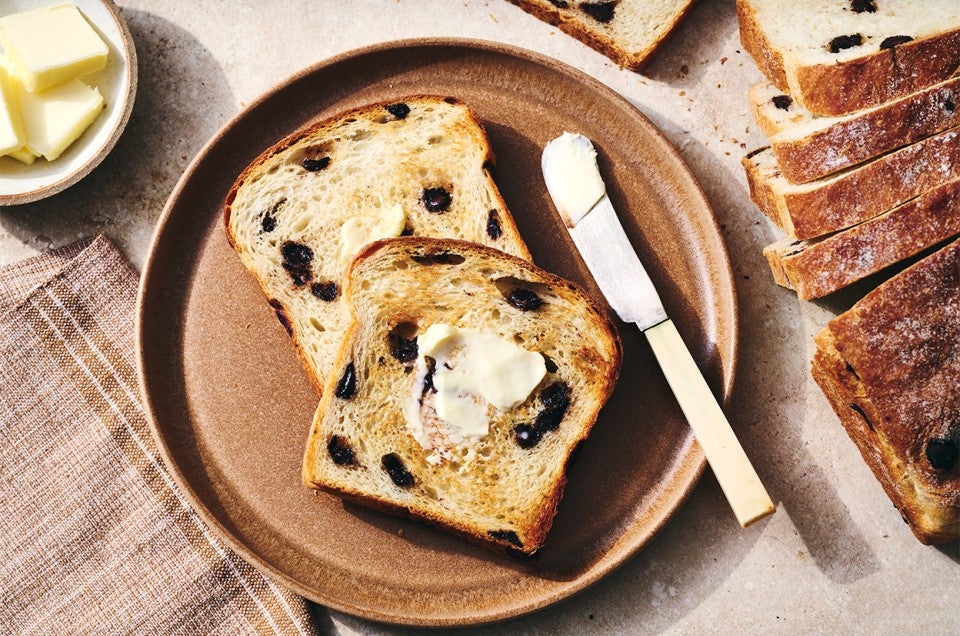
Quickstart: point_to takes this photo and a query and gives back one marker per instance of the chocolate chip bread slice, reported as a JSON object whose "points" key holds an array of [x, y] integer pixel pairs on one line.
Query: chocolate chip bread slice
{"points": [[835, 57], [627, 31], [822, 266], [463, 387], [890, 367], [299, 213], [854, 195]]}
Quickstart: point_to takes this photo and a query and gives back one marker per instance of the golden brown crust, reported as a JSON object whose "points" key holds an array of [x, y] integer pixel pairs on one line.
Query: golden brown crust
{"points": [[577, 26], [859, 194], [850, 141], [818, 268], [890, 367], [845, 87], [754, 42], [865, 82]]}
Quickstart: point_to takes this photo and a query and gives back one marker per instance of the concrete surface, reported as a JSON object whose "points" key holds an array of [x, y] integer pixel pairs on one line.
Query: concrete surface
{"points": [[835, 558]]}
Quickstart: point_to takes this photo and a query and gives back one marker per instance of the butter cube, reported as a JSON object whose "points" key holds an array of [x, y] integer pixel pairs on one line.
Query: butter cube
{"points": [[11, 126], [55, 117], [22, 155], [51, 45]]}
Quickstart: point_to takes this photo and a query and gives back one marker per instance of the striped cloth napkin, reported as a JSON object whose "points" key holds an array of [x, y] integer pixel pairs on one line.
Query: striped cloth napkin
{"points": [[94, 535]]}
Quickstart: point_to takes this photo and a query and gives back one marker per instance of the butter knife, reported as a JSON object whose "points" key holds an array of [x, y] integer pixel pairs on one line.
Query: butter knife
{"points": [[569, 165]]}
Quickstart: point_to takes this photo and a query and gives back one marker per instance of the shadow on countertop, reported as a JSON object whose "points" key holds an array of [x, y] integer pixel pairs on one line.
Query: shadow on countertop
{"points": [[183, 98], [768, 406]]}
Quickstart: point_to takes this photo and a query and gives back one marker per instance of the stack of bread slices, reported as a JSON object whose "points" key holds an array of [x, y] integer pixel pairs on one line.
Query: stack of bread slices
{"points": [[456, 377], [862, 112]]}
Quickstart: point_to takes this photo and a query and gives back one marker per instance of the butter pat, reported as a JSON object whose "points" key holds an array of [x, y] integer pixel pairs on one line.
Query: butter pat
{"points": [[22, 155], [55, 117], [471, 371], [11, 126], [570, 171], [362, 230], [50, 46]]}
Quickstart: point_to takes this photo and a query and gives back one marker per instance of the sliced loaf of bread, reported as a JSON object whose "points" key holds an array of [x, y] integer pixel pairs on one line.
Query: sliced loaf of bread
{"points": [[819, 267], [420, 424], [890, 367], [835, 57], [626, 31], [859, 193], [808, 147], [298, 214]]}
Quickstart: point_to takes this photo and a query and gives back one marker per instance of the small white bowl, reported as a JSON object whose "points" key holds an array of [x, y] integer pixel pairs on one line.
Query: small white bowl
{"points": [[20, 183]]}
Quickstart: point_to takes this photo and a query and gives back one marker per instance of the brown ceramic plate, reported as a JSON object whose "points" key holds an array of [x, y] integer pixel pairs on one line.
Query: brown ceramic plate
{"points": [[231, 407]]}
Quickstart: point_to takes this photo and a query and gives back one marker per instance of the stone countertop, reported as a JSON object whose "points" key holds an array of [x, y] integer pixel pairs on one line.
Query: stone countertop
{"points": [[836, 556]]}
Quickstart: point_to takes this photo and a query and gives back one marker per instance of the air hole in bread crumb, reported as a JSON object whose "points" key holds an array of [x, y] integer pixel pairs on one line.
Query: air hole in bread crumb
{"points": [[301, 224], [433, 140], [316, 324], [431, 492], [360, 135]]}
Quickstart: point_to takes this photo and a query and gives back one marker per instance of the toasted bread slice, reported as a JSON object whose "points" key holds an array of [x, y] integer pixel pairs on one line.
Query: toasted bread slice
{"points": [[890, 367], [857, 194], [822, 266], [836, 57], [377, 437], [298, 214]]}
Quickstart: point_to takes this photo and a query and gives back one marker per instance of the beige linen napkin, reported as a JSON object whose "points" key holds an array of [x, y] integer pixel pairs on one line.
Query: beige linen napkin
{"points": [[94, 535]]}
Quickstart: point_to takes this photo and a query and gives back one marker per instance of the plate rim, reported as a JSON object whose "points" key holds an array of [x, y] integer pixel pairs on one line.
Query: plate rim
{"points": [[696, 456]]}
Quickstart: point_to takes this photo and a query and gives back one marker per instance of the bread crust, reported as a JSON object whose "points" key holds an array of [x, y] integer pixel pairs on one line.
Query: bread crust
{"points": [[848, 141], [892, 382], [577, 25], [817, 268], [864, 82], [320, 472], [838, 89], [858, 194], [510, 238], [767, 58]]}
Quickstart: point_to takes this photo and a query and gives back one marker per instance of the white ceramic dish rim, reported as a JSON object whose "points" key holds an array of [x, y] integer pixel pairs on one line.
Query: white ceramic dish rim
{"points": [[20, 183]]}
